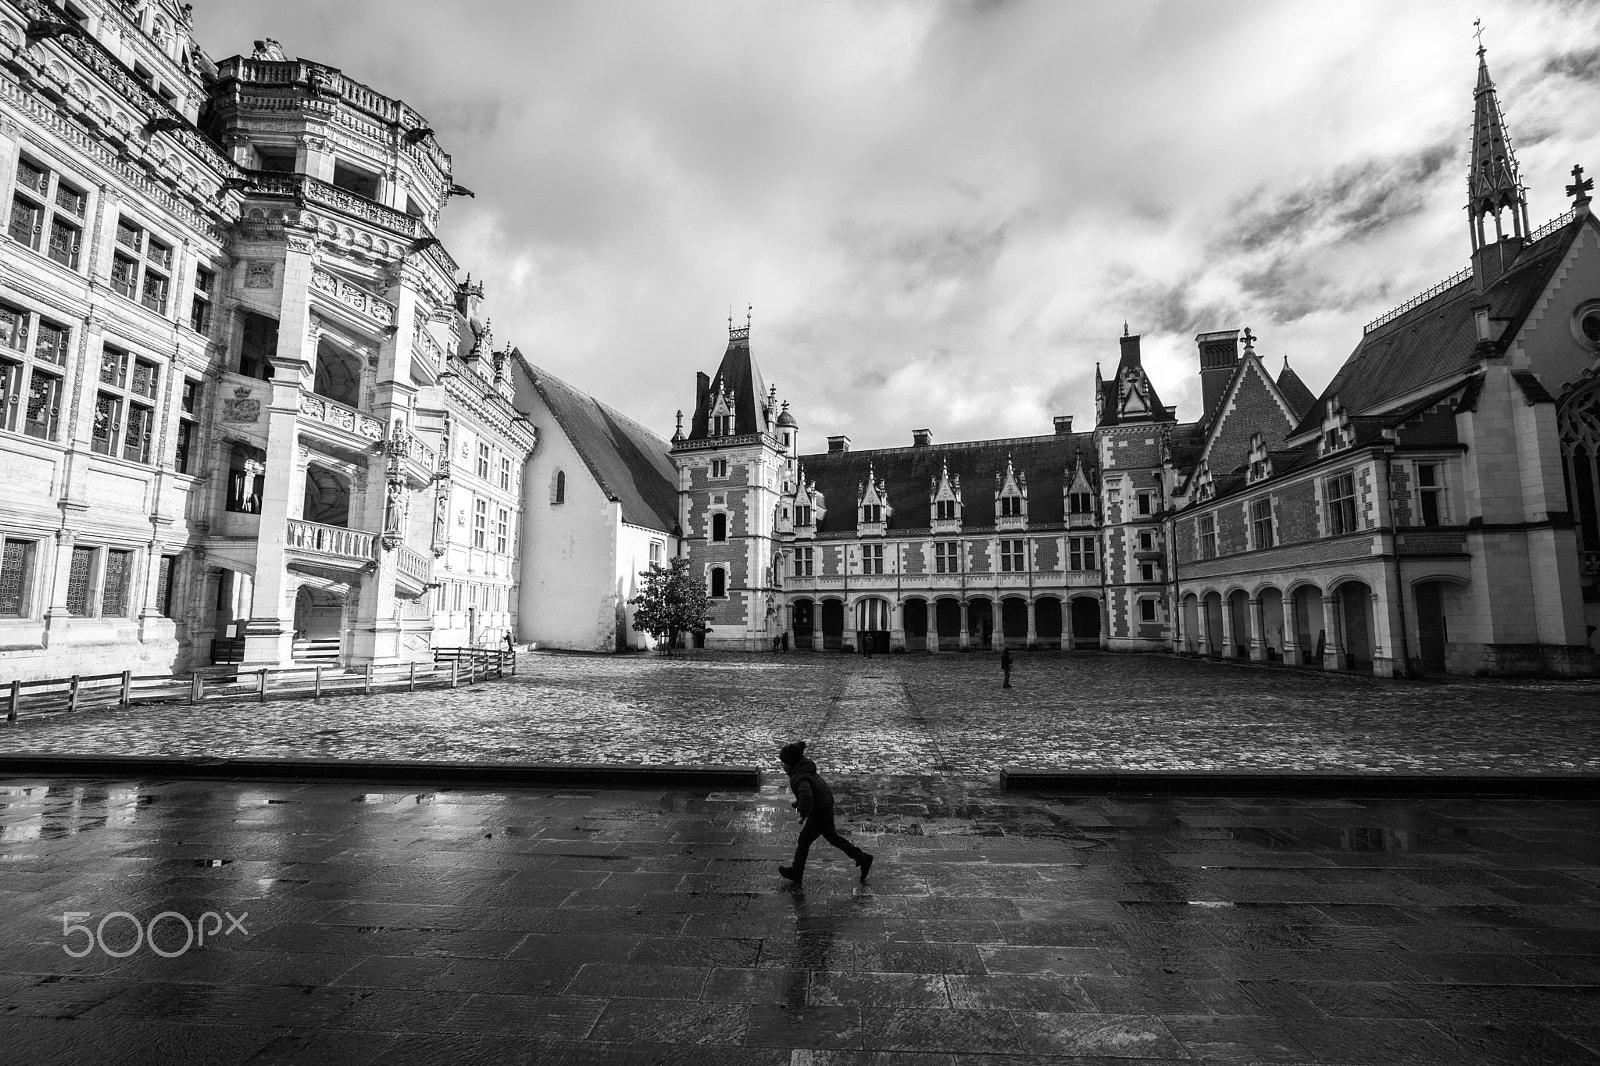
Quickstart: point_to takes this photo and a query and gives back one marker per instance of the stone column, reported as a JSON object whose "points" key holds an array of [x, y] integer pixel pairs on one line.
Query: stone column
{"points": [[966, 638], [930, 625], [377, 633], [269, 632], [1230, 647], [1033, 624], [1293, 654], [1258, 630], [1067, 638], [897, 625], [55, 613], [1333, 619]]}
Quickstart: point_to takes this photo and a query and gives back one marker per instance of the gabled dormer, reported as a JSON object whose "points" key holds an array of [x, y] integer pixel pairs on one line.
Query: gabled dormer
{"points": [[1204, 487], [1078, 504], [872, 506], [807, 507], [1129, 396], [1011, 498], [721, 415], [944, 501], [1260, 461], [1337, 433]]}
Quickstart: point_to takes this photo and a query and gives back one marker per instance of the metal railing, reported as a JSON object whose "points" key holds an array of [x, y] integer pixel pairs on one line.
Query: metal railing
{"points": [[451, 667], [1417, 301]]}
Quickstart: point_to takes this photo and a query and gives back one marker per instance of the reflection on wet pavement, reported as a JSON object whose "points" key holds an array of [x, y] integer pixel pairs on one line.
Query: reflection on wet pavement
{"points": [[575, 926], [893, 715]]}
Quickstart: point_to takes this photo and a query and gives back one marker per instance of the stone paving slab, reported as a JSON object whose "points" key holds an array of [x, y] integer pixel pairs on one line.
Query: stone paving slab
{"points": [[896, 714], [579, 926]]}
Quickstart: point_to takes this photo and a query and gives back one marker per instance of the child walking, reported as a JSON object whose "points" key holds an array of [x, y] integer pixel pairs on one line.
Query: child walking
{"points": [[814, 800]]}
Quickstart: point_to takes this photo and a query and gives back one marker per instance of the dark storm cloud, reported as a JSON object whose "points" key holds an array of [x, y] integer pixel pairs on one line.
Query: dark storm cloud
{"points": [[1580, 65], [1354, 201], [943, 212]]}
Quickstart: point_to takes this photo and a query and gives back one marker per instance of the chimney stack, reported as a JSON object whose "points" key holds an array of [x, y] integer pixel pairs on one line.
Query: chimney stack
{"points": [[921, 438], [838, 445], [1063, 424], [1219, 354]]}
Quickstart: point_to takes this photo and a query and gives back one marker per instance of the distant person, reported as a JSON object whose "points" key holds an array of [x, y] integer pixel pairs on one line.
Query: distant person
{"points": [[1005, 666], [510, 645], [814, 800]]}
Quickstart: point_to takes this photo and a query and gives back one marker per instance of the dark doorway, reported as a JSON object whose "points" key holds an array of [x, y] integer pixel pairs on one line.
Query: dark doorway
{"points": [[804, 616], [1047, 622], [1085, 622], [1433, 631], [980, 623], [914, 620], [833, 624], [947, 619], [1014, 622]]}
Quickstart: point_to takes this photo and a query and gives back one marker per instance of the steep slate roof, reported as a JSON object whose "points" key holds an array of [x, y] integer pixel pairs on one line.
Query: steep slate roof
{"points": [[909, 473], [1294, 390], [1436, 339], [739, 375], [630, 463]]}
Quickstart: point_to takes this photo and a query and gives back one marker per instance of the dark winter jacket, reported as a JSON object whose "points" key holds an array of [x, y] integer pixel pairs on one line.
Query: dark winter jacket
{"points": [[811, 793]]}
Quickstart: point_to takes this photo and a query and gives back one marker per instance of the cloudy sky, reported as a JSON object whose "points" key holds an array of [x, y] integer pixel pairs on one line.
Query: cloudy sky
{"points": [[943, 213]]}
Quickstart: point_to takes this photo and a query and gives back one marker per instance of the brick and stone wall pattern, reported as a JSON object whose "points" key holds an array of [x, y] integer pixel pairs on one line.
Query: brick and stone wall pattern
{"points": [[978, 558], [1295, 506], [1253, 410], [1230, 528], [913, 557], [1047, 554]]}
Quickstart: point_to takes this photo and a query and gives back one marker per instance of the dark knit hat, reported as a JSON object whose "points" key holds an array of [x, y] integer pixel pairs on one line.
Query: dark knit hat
{"points": [[792, 753]]}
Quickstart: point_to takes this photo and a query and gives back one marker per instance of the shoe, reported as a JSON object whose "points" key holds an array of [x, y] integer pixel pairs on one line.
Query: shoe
{"points": [[866, 865], [789, 873]]}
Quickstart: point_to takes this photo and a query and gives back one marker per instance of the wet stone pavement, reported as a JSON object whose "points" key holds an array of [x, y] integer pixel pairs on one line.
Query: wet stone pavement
{"points": [[544, 926], [891, 715]]}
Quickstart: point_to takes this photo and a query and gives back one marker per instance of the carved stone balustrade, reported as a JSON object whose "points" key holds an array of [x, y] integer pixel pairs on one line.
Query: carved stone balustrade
{"points": [[332, 543], [380, 311], [321, 409]]}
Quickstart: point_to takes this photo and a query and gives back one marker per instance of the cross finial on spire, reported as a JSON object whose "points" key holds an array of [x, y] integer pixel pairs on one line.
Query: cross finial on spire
{"points": [[1124, 327], [1478, 33], [747, 309], [1580, 187]]}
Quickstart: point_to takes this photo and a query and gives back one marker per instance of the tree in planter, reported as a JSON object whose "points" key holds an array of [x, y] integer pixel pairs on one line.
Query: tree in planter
{"points": [[670, 604]]}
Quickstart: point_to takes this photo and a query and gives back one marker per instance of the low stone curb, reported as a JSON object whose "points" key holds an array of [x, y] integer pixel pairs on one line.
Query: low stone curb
{"points": [[526, 775], [1302, 782]]}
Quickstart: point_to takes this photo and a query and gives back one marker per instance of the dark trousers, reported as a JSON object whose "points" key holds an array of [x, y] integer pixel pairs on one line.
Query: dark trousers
{"points": [[821, 825]]}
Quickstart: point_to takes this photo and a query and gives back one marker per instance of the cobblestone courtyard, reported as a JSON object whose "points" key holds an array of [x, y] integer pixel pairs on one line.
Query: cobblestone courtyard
{"points": [[892, 715]]}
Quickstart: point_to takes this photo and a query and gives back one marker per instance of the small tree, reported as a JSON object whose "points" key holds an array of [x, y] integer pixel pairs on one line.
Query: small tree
{"points": [[671, 603]]}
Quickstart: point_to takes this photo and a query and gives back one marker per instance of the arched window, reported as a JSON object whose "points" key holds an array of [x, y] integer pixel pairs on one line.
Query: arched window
{"points": [[558, 494], [719, 582], [719, 526]]}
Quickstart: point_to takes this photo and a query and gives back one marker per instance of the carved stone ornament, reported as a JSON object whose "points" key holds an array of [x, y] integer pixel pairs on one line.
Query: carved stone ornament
{"points": [[242, 406], [258, 274], [303, 245]]}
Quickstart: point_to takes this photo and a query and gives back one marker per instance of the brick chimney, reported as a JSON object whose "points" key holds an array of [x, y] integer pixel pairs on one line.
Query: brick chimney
{"points": [[1219, 354], [1063, 424], [921, 438], [838, 445]]}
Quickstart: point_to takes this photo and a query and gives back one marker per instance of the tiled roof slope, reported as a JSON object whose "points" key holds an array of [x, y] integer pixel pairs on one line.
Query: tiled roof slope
{"points": [[1436, 339], [909, 473], [739, 375], [1294, 390], [631, 464]]}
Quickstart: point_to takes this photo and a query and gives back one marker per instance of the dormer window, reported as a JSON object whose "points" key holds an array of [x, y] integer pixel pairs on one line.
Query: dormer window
{"points": [[1260, 462], [872, 506], [944, 494], [1337, 433], [1205, 487], [1011, 498], [1080, 503], [802, 515], [722, 425], [944, 510]]}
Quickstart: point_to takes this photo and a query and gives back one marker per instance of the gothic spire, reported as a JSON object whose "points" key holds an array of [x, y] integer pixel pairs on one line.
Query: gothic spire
{"points": [[1492, 181]]}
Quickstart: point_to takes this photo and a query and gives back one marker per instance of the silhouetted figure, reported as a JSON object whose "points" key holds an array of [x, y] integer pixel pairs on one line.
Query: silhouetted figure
{"points": [[1005, 666], [814, 800]]}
